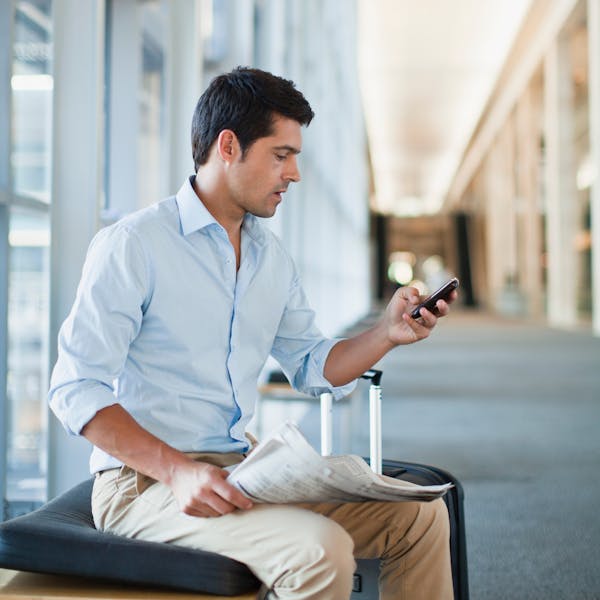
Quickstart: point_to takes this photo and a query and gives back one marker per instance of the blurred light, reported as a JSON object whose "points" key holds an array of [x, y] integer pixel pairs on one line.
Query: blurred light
{"points": [[408, 206], [29, 238], [32, 83], [583, 240], [408, 257], [401, 272], [433, 265], [207, 21], [586, 173], [420, 285]]}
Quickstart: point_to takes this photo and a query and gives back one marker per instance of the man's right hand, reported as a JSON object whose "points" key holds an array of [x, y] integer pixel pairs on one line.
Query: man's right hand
{"points": [[202, 490]]}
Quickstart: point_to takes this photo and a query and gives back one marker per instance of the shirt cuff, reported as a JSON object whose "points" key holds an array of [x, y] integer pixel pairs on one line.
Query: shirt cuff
{"points": [[315, 367], [75, 404]]}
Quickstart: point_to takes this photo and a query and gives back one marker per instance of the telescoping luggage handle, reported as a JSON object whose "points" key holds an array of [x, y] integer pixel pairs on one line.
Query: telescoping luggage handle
{"points": [[374, 376]]}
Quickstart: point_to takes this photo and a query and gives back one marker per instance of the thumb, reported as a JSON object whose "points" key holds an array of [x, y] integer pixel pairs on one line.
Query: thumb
{"points": [[408, 294]]}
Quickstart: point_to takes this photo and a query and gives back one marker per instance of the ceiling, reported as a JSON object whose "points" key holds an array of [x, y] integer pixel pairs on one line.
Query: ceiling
{"points": [[427, 69]]}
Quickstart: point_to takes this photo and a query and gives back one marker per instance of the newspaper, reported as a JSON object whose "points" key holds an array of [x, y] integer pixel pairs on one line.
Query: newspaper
{"points": [[285, 468]]}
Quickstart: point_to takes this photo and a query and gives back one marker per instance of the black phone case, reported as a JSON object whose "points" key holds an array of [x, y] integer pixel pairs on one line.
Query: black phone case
{"points": [[440, 294]]}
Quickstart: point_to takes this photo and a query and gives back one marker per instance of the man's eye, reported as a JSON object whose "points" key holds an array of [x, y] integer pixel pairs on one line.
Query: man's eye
{"points": [[280, 156]]}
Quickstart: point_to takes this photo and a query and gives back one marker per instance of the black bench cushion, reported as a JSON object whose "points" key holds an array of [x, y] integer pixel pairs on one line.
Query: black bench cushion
{"points": [[60, 538]]}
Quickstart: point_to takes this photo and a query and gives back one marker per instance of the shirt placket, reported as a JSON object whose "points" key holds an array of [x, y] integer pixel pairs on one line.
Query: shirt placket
{"points": [[235, 364], [230, 276]]}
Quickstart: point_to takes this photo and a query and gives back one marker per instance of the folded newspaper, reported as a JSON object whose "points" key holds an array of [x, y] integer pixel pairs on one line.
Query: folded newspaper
{"points": [[285, 468]]}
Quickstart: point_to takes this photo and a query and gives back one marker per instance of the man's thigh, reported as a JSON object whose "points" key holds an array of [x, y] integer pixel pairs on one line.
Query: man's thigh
{"points": [[154, 515], [266, 538], [374, 526]]}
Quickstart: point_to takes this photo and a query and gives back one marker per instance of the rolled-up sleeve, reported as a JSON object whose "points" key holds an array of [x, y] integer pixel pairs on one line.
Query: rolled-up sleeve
{"points": [[94, 340], [302, 350]]}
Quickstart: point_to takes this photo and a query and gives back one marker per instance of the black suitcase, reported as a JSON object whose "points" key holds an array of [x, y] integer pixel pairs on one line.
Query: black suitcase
{"points": [[366, 577]]}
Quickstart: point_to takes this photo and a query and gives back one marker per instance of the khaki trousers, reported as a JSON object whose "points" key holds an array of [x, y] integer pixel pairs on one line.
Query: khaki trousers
{"points": [[299, 551]]}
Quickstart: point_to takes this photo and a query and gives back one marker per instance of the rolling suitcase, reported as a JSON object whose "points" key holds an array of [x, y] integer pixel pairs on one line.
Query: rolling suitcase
{"points": [[366, 577]]}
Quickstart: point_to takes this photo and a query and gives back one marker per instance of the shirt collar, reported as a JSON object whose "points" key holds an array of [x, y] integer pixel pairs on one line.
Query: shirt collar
{"points": [[194, 216], [254, 229]]}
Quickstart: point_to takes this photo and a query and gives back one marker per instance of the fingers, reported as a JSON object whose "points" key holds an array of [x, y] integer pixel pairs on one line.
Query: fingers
{"points": [[422, 326], [207, 493], [410, 294], [202, 510], [426, 320], [441, 309], [231, 495], [211, 505], [452, 297], [223, 499], [402, 327]]}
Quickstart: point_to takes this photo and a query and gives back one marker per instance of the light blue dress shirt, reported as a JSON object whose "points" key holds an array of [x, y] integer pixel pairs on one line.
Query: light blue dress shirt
{"points": [[164, 325]]}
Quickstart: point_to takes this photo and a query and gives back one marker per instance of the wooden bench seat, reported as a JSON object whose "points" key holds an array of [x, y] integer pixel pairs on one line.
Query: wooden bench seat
{"points": [[19, 585]]}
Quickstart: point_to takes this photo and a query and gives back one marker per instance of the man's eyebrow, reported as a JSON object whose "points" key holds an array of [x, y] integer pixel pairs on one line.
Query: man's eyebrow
{"points": [[287, 148]]}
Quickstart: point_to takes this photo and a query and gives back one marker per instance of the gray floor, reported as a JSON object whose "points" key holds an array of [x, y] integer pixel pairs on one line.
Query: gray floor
{"points": [[513, 410]]}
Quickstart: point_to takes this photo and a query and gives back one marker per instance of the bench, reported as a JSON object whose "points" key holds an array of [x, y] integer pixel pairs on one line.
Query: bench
{"points": [[60, 538]]}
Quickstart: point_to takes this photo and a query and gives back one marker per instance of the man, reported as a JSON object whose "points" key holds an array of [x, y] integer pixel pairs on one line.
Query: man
{"points": [[178, 308]]}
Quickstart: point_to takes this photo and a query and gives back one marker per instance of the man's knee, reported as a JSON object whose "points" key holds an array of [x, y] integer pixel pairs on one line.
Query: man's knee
{"points": [[329, 547], [410, 523], [323, 562], [432, 522], [439, 516], [336, 547], [420, 515]]}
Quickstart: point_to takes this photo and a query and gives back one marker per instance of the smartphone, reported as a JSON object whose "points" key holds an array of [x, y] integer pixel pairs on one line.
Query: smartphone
{"points": [[441, 294]]}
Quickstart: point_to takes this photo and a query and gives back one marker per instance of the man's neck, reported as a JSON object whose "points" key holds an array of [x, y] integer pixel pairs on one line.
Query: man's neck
{"points": [[211, 194]]}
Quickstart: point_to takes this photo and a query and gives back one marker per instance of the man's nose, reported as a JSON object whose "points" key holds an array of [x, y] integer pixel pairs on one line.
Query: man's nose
{"points": [[292, 173]]}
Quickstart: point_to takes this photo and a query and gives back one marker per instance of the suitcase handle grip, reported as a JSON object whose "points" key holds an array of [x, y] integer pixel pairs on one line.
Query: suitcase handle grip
{"points": [[373, 375]]}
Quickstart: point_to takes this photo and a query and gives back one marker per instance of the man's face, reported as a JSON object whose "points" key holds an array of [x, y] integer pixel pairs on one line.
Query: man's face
{"points": [[258, 180]]}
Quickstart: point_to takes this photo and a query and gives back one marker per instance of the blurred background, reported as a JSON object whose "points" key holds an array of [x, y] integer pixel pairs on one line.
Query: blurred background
{"points": [[452, 137]]}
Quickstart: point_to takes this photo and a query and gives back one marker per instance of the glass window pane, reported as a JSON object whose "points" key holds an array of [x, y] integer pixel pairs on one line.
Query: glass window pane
{"points": [[151, 139], [28, 295], [32, 98]]}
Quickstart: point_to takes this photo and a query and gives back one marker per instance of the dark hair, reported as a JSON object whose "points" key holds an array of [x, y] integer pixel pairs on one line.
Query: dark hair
{"points": [[246, 101]]}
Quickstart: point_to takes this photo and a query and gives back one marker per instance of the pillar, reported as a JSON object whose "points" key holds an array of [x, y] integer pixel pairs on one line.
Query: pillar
{"points": [[594, 108], [76, 188], [184, 86], [530, 230], [560, 186]]}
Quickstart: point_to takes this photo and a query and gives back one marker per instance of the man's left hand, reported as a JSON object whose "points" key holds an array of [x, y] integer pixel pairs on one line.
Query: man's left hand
{"points": [[401, 327]]}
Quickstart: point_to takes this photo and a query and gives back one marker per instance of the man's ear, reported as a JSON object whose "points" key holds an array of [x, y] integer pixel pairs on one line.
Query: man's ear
{"points": [[227, 145]]}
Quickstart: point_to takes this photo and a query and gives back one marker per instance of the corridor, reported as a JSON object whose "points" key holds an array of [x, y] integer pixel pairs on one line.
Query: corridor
{"points": [[513, 410]]}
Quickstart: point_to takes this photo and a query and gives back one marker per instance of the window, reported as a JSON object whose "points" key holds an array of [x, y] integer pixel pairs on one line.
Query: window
{"points": [[137, 155], [25, 239], [31, 85], [151, 139], [29, 240]]}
